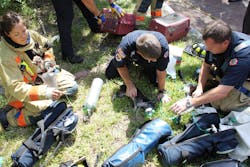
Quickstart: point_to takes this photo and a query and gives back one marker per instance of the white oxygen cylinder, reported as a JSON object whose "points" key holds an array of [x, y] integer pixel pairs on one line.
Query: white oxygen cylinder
{"points": [[91, 100], [94, 92]]}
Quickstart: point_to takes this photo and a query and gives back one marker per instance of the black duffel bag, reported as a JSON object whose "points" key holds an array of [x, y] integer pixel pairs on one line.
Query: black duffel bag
{"points": [[177, 153], [198, 139], [223, 162], [59, 121]]}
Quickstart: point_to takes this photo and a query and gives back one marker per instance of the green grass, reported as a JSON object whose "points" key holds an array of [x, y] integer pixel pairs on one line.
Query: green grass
{"points": [[114, 121]]}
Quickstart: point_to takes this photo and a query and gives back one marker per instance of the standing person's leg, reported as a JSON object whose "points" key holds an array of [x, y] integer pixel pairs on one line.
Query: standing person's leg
{"points": [[64, 14], [92, 22], [246, 22], [156, 8], [142, 5], [141, 9]]}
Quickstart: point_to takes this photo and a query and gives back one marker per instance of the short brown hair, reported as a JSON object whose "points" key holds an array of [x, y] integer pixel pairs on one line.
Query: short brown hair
{"points": [[149, 45], [218, 31], [8, 21]]}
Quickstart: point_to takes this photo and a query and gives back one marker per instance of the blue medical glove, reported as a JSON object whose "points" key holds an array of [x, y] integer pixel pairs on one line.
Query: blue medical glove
{"points": [[116, 9], [100, 19]]}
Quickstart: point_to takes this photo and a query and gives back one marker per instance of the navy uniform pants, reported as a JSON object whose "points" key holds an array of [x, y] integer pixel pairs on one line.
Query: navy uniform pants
{"points": [[143, 5], [149, 69], [65, 14]]}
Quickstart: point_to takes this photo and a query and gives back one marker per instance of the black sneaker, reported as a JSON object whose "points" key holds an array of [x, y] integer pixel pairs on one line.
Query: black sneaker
{"points": [[74, 59], [96, 29]]}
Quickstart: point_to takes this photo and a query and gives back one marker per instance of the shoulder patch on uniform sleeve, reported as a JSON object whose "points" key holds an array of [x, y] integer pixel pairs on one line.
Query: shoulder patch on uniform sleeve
{"points": [[233, 62], [119, 55], [166, 54]]}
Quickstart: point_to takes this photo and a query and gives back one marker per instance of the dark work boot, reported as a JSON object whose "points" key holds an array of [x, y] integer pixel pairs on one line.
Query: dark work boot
{"points": [[3, 116], [73, 59]]}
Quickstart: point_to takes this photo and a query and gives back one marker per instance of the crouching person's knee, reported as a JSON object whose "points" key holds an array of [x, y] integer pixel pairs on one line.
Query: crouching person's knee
{"points": [[111, 71]]}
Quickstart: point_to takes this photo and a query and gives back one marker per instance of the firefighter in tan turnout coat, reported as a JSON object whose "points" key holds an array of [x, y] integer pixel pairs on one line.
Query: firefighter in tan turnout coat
{"points": [[28, 72]]}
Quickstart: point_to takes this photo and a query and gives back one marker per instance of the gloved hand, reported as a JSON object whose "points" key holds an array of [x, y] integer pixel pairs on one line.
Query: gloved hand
{"points": [[117, 10], [100, 19]]}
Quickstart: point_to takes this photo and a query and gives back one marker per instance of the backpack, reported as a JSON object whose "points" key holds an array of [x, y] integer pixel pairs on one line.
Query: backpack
{"points": [[58, 123], [199, 138], [222, 142], [201, 123], [223, 162]]}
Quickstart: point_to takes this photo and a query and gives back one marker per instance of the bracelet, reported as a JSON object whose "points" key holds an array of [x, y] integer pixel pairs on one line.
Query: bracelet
{"points": [[188, 102]]}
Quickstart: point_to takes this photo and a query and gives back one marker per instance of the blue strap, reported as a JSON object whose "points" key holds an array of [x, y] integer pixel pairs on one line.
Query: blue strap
{"points": [[243, 90]]}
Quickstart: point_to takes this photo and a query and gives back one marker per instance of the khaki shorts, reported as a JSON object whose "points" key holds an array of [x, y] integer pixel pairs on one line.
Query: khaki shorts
{"points": [[234, 101]]}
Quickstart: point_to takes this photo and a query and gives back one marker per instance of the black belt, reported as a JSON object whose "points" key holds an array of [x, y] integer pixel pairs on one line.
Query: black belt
{"points": [[243, 90]]}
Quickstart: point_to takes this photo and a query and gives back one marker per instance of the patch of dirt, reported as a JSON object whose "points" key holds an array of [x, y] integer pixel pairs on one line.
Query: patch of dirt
{"points": [[201, 12]]}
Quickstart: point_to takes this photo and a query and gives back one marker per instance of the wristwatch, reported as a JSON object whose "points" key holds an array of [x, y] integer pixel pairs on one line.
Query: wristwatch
{"points": [[188, 102]]}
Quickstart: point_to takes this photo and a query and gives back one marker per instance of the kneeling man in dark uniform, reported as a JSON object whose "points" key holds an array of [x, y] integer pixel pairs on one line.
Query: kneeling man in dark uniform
{"points": [[227, 62], [148, 49]]}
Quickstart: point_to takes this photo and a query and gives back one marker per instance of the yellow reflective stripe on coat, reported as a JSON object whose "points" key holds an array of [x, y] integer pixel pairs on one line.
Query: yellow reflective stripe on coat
{"points": [[27, 68]]}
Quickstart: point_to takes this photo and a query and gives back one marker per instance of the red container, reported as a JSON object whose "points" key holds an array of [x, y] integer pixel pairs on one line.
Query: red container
{"points": [[119, 26], [174, 26]]}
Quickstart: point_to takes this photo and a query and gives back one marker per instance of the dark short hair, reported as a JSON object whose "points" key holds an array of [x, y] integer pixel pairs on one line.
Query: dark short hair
{"points": [[149, 45], [218, 31], [8, 21]]}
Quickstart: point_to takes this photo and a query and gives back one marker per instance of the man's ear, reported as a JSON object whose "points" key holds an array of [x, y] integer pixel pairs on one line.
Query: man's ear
{"points": [[226, 43]]}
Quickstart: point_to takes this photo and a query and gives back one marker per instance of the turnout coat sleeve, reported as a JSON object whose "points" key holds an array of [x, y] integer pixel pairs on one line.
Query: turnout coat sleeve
{"points": [[42, 41]]}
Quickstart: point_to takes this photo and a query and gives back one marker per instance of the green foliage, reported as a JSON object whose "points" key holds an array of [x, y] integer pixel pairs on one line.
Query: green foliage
{"points": [[15, 5], [115, 120]]}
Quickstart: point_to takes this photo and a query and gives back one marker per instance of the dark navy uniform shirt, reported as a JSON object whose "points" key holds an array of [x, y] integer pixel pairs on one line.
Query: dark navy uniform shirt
{"points": [[128, 46], [238, 69]]}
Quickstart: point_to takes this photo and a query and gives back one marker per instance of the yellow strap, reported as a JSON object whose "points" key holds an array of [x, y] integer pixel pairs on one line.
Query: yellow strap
{"points": [[27, 68]]}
